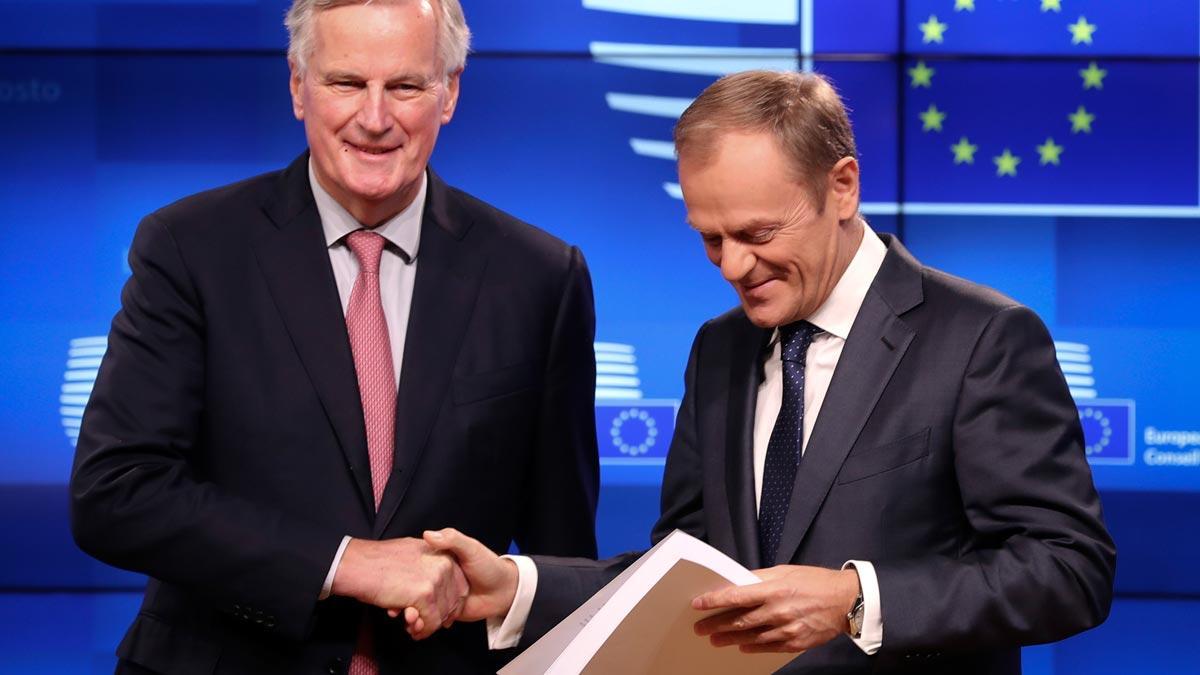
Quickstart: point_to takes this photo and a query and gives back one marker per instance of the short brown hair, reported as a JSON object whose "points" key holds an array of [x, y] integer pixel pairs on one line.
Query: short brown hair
{"points": [[802, 110]]}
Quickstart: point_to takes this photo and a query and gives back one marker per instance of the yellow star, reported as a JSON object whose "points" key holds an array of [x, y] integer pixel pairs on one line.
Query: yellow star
{"points": [[1093, 76], [932, 118], [960, 5], [922, 75], [1006, 164], [1048, 5], [932, 30], [1081, 120], [964, 152], [1081, 31], [1050, 152]]}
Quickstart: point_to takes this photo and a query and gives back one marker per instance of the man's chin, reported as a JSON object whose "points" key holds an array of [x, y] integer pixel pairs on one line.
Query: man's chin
{"points": [[760, 315]]}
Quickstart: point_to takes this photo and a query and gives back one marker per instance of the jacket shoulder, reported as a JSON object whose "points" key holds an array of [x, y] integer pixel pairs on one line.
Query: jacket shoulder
{"points": [[516, 238], [221, 207]]}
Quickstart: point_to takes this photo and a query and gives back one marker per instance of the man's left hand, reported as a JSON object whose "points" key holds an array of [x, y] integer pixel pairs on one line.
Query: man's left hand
{"points": [[794, 609]]}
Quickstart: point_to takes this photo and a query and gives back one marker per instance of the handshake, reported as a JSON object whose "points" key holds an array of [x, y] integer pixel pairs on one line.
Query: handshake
{"points": [[432, 582]]}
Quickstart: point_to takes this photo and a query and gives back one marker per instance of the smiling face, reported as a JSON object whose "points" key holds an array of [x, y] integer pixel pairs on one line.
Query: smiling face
{"points": [[760, 225], [373, 96]]}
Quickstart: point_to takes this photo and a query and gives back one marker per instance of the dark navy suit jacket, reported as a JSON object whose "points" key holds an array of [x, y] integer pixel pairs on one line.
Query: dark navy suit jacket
{"points": [[223, 451], [948, 452]]}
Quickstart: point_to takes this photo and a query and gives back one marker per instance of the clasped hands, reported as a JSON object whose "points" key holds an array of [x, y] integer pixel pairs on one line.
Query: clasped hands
{"points": [[457, 578], [428, 582]]}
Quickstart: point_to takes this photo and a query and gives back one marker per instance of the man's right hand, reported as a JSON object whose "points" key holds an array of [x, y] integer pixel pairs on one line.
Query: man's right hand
{"points": [[492, 579], [403, 575]]}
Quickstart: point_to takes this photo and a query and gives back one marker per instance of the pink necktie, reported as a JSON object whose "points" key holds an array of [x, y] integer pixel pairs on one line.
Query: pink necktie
{"points": [[372, 357], [372, 350]]}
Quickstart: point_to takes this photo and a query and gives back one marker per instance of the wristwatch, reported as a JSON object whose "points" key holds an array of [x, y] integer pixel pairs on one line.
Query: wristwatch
{"points": [[855, 616]]}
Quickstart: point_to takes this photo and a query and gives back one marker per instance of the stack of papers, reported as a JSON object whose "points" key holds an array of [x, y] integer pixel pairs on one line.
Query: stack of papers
{"points": [[641, 622]]}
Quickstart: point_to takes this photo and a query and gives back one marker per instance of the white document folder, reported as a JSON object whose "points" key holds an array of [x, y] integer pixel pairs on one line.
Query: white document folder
{"points": [[641, 622]]}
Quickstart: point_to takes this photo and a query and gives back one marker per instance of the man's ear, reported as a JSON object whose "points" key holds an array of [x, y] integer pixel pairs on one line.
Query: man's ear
{"points": [[451, 102], [842, 195], [295, 82]]}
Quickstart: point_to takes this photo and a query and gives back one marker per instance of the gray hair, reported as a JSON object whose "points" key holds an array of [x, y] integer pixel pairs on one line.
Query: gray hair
{"points": [[454, 37]]}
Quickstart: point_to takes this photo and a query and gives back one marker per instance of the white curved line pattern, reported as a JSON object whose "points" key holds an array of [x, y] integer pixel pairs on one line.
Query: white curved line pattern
{"points": [[645, 104], [656, 149], [777, 12], [616, 372], [694, 60], [1075, 361], [83, 360]]}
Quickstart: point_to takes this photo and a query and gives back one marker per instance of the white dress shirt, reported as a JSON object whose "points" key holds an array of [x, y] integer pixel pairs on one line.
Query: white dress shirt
{"points": [[834, 317], [397, 275]]}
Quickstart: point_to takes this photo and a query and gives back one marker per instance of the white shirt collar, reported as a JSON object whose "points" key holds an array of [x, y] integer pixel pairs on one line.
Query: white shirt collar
{"points": [[402, 230], [836, 315]]}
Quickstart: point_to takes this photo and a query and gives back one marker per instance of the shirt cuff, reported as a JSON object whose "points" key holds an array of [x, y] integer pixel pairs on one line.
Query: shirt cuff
{"points": [[327, 587], [871, 638], [507, 633]]}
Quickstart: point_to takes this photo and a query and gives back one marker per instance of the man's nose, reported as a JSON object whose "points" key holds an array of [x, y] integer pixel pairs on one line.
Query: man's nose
{"points": [[373, 115], [736, 261]]}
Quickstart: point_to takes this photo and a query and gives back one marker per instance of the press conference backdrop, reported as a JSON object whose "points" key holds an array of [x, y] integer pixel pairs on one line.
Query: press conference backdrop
{"points": [[1048, 148]]}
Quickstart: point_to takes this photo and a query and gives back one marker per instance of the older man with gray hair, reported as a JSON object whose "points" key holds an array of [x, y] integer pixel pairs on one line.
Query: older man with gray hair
{"points": [[313, 366]]}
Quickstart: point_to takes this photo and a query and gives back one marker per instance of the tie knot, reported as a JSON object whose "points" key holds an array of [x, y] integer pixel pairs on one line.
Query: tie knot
{"points": [[795, 338], [368, 248]]}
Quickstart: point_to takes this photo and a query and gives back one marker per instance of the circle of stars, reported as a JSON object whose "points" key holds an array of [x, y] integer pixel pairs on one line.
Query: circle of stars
{"points": [[933, 31]]}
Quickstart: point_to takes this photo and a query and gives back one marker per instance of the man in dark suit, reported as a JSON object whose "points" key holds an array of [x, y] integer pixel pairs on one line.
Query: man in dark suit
{"points": [[313, 366], [896, 446]]}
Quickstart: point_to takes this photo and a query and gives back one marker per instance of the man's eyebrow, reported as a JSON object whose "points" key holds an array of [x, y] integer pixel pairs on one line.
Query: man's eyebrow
{"points": [[335, 75]]}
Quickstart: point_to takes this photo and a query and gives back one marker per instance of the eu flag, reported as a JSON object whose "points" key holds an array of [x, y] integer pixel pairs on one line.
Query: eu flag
{"points": [[1090, 131], [1059, 27]]}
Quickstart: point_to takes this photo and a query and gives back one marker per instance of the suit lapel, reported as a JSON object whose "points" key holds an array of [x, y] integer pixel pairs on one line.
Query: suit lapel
{"points": [[449, 270], [295, 263], [744, 378], [876, 344]]}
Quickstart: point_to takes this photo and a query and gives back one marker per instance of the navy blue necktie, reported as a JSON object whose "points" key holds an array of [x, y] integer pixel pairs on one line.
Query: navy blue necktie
{"points": [[783, 450]]}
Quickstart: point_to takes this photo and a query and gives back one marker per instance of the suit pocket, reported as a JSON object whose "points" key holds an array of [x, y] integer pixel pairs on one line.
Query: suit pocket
{"points": [[493, 383], [876, 460], [154, 644]]}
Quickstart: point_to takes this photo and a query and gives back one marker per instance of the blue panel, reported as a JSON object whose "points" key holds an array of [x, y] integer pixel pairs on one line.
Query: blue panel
{"points": [[856, 26], [1014, 255], [163, 24], [513, 26], [1134, 153], [522, 26], [62, 633], [869, 91], [1139, 637], [1136, 27]]}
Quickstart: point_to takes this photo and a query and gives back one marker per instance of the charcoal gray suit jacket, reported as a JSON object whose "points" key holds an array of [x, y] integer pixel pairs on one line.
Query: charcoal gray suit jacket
{"points": [[948, 452]]}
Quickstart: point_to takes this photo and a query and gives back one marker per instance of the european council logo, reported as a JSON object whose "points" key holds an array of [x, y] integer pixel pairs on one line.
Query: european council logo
{"points": [[630, 429], [1108, 424]]}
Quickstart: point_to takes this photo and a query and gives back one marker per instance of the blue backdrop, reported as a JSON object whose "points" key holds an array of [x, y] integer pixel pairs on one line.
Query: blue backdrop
{"points": [[1048, 149]]}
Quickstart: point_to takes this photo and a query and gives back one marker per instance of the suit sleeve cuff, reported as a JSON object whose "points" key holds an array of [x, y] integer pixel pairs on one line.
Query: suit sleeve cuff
{"points": [[506, 633], [327, 587], [872, 630]]}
